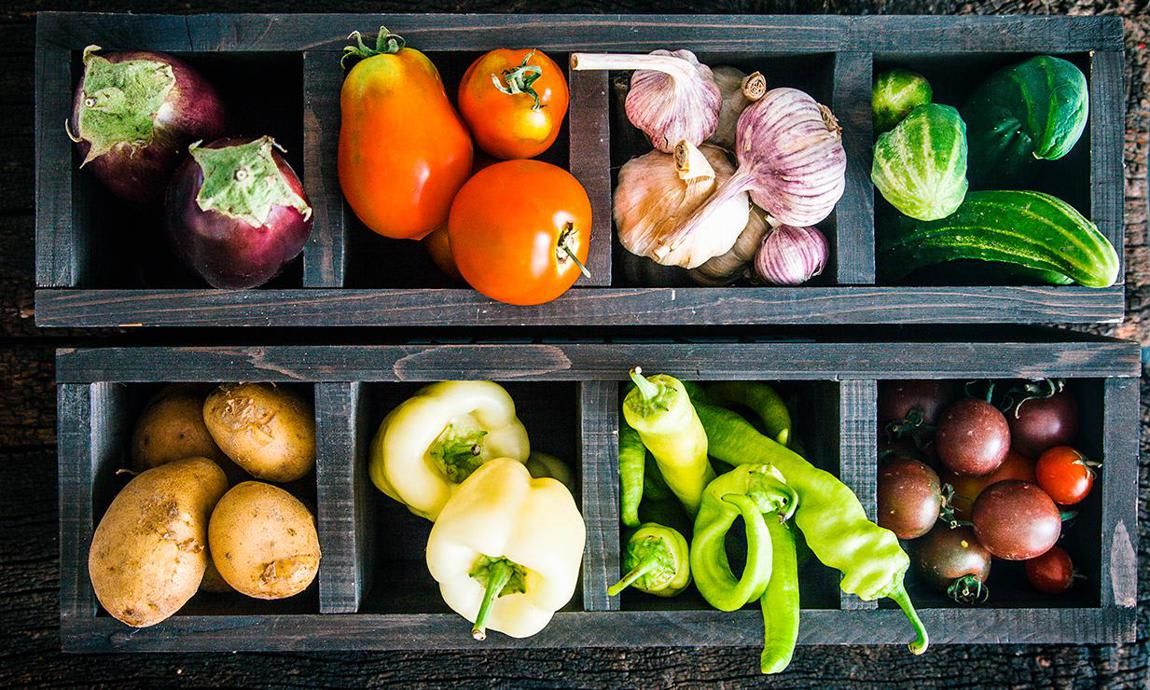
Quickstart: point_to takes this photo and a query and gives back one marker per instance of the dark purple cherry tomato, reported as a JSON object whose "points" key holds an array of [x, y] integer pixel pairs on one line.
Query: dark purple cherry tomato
{"points": [[1016, 520], [953, 561], [973, 437], [898, 399], [1040, 423], [909, 497], [1052, 572]]}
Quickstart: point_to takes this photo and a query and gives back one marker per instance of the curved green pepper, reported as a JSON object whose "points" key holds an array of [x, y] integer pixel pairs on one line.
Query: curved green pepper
{"points": [[761, 399], [836, 527], [748, 491], [657, 562], [780, 603], [632, 459]]}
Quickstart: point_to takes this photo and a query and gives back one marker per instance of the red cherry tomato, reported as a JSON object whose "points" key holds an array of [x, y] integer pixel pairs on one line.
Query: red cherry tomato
{"points": [[520, 231], [1065, 474], [1052, 572]]}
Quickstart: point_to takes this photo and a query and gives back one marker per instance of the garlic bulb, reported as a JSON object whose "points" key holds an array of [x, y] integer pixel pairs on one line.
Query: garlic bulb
{"points": [[735, 264], [739, 90], [791, 256], [657, 192], [791, 162], [672, 96]]}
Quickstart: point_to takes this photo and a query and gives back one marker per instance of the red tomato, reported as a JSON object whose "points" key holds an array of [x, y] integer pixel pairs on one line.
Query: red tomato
{"points": [[514, 102], [520, 231], [1065, 474], [1052, 572], [967, 488]]}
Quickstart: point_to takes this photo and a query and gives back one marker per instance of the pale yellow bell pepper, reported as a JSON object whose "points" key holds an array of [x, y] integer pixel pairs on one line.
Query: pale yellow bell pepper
{"points": [[434, 440], [506, 549]]}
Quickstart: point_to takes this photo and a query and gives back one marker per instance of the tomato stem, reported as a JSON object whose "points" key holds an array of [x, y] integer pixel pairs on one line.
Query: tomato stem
{"points": [[520, 80], [568, 253], [386, 43]]}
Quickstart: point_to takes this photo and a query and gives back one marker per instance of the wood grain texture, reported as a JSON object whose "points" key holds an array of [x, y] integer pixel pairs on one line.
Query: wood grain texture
{"points": [[594, 307], [60, 243], [858, 410], [340, 531], [854, 245], [324, 258], [590, 162], [599, 421]]}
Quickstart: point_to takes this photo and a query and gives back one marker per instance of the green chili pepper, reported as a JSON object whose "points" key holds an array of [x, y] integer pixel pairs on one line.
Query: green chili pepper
{"points": [[659, 504], [748, 491], [661, 411], [837, 530], [780, 603], [632, 459], [657, 562], [760, 398]]}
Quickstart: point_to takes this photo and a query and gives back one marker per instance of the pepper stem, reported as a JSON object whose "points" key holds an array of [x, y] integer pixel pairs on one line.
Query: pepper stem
{"points": [[922, 639], [647, 390], [644, 566], [498, 575]]}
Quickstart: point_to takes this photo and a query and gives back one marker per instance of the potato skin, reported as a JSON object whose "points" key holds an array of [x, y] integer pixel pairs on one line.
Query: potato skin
{"points": [[148, 553], [268, 431], [172, 428], [263, 541]]}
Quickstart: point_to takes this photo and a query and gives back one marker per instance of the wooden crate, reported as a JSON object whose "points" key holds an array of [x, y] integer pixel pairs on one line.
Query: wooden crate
{"points": [[373, 590], [281, 73]]}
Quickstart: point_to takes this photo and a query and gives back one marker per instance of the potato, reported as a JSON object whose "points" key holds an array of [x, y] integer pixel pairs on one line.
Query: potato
{"points": [[172, 428], [147, 556], [263, 541], [268, 431]]}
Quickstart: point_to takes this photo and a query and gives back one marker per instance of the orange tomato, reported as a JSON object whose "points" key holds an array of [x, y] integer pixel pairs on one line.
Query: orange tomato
{"points": [[520, 231], [514, 101], [438, 245], [403, 151], [967, 488]]}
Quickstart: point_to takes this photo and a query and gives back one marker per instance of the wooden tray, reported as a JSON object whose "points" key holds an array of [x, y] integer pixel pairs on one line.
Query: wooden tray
{"points": [[102, 264], [373, 589]]}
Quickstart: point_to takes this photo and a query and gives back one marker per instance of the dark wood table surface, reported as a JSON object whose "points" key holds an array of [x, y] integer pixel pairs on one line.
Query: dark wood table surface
{"points": [[29, 641]]}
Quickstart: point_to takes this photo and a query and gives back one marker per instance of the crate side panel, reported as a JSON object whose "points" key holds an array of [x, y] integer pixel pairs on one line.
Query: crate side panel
{"points": [[75, 468], [599, 451], [340, 583], [855, 243], [590, 164], [1120, 496], [324, 258]]}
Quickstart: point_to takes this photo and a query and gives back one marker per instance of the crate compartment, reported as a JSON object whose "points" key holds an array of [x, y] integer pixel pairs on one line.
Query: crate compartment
{"points": [[816, 427], [126, 246], [954, 77], [396, 576], [120, 405], [1082, 538]]}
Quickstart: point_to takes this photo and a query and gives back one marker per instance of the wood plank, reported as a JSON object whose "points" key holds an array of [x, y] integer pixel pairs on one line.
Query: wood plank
{"points": [[595, 629], [1118, 555], [858, 431], [580, 306], [1107, 165], [590, 163], [324, 258], [75, 478], [854, 242], [340, 580], [599, 451], [61, 246]]}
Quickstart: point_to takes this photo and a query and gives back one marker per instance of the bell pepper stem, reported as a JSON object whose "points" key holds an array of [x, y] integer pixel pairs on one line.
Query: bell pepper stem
{"points": [[647, 390], [645, 566], [498, 576], [922, 639]]}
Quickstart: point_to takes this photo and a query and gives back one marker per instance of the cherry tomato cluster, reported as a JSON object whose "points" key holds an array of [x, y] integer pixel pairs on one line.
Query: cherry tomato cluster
{"points": [[958, 473]]}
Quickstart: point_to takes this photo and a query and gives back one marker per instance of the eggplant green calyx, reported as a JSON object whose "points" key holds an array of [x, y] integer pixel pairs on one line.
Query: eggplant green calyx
{"points": [[652, 396], [498, 576], [121, 102], [244, 181], [386, 43], [458, 452], [520, 80]]}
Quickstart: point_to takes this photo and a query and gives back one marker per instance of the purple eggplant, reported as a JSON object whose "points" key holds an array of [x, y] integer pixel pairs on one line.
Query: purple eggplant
{"points": [[236, 212], [134, 115]]}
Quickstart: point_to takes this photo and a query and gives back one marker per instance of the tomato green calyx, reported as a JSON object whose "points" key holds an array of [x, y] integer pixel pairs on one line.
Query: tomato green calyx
{"points": [[1032, 390], [564, 252], [520, 80], [969, 590], [386, 43], [498, 576]]}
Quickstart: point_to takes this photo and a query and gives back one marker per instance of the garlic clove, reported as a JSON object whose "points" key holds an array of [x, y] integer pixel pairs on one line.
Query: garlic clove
{"points": [[738, 90]]}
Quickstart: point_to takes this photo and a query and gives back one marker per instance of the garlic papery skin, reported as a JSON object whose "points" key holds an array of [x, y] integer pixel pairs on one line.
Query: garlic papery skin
{"points": [[735, 263], [672, 96], [791, 162], [657, 192], [791, 255], [739, 90]]}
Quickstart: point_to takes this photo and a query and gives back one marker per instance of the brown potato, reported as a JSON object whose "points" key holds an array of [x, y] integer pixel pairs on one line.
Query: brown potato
{"points": [[268, 431], [263, 541], [148, 553], [172, 428]]}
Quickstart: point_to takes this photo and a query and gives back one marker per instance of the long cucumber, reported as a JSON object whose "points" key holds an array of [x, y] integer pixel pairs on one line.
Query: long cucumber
{"points": [[1030, 229]]}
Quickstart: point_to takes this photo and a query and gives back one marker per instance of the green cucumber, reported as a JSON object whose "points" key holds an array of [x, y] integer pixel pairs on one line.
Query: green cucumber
{"points": [[895, 93], [920, 165], [1031, 229]]}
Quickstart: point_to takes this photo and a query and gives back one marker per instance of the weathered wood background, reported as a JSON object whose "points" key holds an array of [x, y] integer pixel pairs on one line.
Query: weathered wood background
{"points": [[28, 544]]}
